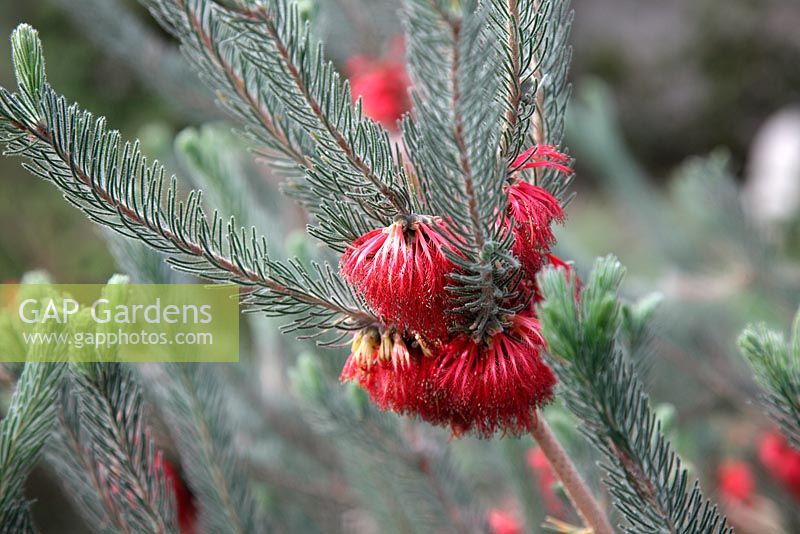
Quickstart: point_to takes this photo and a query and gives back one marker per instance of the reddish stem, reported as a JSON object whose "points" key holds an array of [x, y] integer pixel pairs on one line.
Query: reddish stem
{"points": [[580, 495]]}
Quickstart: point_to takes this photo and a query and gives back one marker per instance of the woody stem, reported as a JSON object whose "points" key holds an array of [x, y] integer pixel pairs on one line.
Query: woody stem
{"points": [[582, 499]]}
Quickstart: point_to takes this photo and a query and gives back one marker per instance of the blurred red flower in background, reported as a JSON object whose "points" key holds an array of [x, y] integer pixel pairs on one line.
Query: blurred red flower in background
{"points": [[185, 508], [503, 522], [781, 461], [546, 477], [382, 84], [735, 481]]}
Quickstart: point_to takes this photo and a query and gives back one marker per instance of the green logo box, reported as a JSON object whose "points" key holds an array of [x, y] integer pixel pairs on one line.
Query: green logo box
{"points": [[120, 322]]}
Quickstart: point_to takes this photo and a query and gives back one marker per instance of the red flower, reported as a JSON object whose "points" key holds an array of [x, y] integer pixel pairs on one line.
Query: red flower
{"points": [[403, 382], [502, 522], [383, 86], [546, 477], [735, 481], [532, 210], [184, 501], [465, 385], [541, 156], [402, 273], [781, 461], [497, 384]]}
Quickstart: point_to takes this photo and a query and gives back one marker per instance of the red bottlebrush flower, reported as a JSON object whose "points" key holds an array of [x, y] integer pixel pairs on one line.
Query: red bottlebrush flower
{"points": [[542, 156], [533, 211], [415, 366], [402, 273], [546, 477], [383, 86], [735, 481], [397, 375], [497, 384], [502, 522], [781, 461], [465, 385]]}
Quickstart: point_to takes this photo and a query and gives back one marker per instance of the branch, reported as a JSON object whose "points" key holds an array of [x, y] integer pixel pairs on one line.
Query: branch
{"points": [[105, 454], [115, 186], [192, 401], [550, 62], [776, 365], [518, 27], [302, 85], [75, 464], [579, 493], [202, 39], [23, 433], [514, 82], [458, 134], [311, 91], [184, 245], [645, 476]]}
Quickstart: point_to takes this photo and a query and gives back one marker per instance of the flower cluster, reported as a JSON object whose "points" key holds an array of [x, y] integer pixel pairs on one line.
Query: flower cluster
{"points": [[413, 362], [736, 481]]}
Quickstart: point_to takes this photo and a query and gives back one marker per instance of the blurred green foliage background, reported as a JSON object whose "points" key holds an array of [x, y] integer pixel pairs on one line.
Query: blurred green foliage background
{"points": [[655, 83], [38, 230]]}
